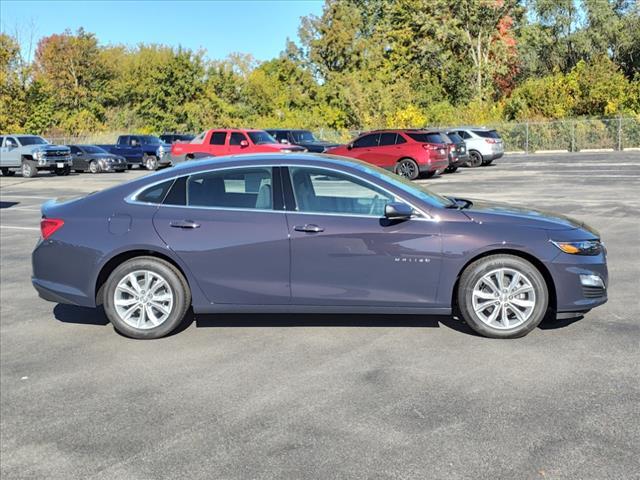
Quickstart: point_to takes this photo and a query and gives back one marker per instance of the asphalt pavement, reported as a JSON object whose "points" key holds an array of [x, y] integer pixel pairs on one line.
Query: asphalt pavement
{"points": [[330, 396]]}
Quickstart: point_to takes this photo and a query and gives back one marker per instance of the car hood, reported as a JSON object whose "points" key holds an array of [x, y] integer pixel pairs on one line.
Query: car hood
{"points": [[319, 143], [483, 211], [52, 148]]}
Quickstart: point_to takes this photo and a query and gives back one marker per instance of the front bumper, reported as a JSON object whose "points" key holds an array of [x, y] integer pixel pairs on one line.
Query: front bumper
{"points": [[572, 295], [53, 164]]}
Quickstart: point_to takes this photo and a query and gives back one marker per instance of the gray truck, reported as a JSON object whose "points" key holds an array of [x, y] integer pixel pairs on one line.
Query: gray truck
{"points": [[31, 154]]}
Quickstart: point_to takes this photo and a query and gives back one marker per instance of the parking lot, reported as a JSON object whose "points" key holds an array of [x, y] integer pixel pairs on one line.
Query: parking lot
{"points": [[331, 396]]}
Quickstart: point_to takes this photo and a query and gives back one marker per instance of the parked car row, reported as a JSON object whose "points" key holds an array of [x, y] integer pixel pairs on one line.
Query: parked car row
{"points": [[410, 153]]}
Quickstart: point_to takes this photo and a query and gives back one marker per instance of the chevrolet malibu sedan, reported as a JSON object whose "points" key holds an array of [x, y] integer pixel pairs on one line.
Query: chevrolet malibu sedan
{"points": [[310, 233]]}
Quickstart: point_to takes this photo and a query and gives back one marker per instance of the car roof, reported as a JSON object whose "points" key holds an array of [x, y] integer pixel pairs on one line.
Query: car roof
{"points": [[403, 130], [286, 130], [470, 128]]}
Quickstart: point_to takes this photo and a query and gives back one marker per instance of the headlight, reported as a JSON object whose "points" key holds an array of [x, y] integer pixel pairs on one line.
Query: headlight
{"points": [[584, 247], [38, 154]]}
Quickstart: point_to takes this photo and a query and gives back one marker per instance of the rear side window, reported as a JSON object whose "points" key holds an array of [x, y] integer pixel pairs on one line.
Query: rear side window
{"points": [[426, 137], [247, 188], [367, 141], [400, 139], [486, 133], [236, 138], [155, 193], [387, 139], [218, 138]]}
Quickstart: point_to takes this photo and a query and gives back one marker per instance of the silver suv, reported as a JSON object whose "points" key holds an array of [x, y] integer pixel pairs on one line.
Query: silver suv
{"points": [[31, 154], [483, 144]]}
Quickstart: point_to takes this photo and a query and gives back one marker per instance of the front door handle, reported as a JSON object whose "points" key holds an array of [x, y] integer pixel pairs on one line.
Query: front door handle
{"points": [[309, 228], [185, 224]]}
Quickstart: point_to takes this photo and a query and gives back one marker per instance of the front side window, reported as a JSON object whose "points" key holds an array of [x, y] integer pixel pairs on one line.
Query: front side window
{"points": [[323, 191], [218, 138], [367, 141], [10, 142], [246, 188], [237, 138], [74, 149]]}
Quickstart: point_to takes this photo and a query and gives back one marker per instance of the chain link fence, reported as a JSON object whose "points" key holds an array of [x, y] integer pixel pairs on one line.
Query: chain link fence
{"points": [[572, 135]]}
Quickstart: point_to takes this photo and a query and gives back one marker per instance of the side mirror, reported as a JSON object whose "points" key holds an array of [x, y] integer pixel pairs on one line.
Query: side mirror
{"points": [[244, 144], [398, 211], [79, 154]]}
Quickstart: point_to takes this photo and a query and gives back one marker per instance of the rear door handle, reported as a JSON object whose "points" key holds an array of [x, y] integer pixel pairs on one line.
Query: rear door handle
{"points": [[185, 224], [309, 228]]}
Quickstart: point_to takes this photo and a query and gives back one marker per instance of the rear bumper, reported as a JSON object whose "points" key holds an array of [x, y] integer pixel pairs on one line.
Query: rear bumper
{"points": [[56, 292], [434, 165], [492, 155]]}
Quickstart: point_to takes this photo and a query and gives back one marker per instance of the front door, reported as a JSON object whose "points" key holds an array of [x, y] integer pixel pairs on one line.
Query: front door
{"points": [[226, 231], [344, 252]]}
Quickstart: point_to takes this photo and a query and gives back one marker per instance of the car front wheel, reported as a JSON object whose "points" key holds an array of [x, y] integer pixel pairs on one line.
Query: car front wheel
{"points": [[29, 169], [146, 297], [150, 162], [502, 296], [94, 167]]}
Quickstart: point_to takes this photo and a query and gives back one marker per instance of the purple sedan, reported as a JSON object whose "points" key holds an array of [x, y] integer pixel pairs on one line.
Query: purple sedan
{"points": [[310, 233]]}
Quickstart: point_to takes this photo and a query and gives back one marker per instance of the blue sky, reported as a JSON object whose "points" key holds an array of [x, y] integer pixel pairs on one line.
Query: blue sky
{"points": [[220, 27]]}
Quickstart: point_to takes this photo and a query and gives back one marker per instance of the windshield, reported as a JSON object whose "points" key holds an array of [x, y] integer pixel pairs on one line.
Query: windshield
{"points": [[405, 185], [303, 136], [32, 141], [150, 140], [93, 149], [260, 137]]}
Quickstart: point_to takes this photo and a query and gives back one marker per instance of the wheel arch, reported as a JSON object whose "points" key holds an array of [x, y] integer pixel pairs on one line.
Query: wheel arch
{"points": [[122, 257], [544, 271]]}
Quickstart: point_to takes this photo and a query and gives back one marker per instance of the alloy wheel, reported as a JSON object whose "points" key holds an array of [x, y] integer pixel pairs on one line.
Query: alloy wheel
{"points": [[504, 298], [406, 169], [143, 299]]}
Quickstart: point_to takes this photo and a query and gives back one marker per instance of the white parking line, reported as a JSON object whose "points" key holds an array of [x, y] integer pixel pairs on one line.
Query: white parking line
{"points": [[2, 195], [13, 209], [19, 228]]}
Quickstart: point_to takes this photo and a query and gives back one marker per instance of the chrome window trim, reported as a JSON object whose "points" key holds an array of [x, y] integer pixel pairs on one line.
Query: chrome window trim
{"points": [[131, 198]]}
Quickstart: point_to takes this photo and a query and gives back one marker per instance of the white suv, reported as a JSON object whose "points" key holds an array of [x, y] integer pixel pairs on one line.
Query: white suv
{"points": [[483, 144]]}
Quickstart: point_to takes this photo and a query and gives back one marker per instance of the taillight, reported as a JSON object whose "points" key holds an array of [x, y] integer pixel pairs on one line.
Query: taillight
{"points": [[430, 146], [490, 140], [48, 226]]}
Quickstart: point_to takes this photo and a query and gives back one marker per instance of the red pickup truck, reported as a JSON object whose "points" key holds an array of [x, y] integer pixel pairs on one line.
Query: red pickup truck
{"points": [[228, 141]]}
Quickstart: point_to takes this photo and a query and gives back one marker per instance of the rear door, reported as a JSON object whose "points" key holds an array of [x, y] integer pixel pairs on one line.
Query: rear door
{"points": [[388, 151], [217, 143], [343, 252], [10, 152], [227, 226]]}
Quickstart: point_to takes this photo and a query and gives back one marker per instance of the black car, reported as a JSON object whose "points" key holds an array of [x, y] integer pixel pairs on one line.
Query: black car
{"points": [[302, 138], [458, 155], [91, 158], [176, 137]]}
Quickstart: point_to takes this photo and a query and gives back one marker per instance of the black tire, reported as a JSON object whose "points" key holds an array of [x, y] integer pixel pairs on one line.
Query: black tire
{"points": [[451, 169], [408, 168], [79, 171], [94, 167], [129, 166], [475, 272], [150, 162], [62, 172], [486, 162], [181, 295], [475, 159], [29, 168], [8, 173]]}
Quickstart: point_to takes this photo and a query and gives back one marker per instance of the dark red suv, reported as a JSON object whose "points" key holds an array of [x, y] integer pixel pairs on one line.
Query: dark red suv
{"points": [[409, 153]]}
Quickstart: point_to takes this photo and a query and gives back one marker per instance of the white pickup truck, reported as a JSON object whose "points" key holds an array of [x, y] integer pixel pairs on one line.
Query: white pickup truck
{"points": [[31, 154]]}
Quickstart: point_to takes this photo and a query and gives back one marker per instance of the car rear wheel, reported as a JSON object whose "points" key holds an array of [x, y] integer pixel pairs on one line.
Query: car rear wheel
{"points": [[146, 297], [94, 167], [502, 296], [29, 169], [451, 169], [407, 168], [150, 162], [475, 159]]}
